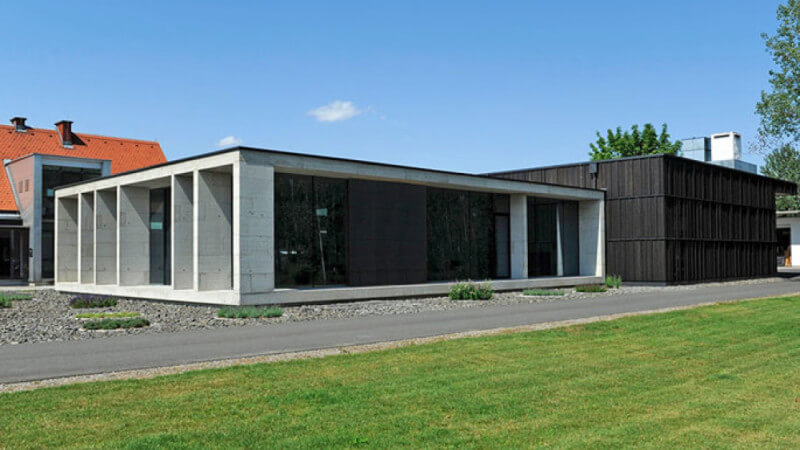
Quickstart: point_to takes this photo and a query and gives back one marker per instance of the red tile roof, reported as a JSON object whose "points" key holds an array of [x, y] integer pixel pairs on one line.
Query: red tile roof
{"points": [[124, 154]]}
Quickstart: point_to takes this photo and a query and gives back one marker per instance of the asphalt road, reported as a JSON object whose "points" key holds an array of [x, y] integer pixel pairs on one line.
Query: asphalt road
{"points": [[28, 362]]}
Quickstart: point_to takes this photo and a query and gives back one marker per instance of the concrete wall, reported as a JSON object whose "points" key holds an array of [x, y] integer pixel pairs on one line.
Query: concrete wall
{"points": [[133, 235], [519, 235], [253, 227], [105, 237], [86, 237], [591, 238], [213, 230], [183, 231], [66, 240]]}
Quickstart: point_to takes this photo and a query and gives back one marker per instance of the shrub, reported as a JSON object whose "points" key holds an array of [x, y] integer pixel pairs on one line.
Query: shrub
{"points": [[591, 288], [107, 315], [113, 324], [542, 292], [471, 291], [7, 298], [92, 301], [613, 281], [249, 312]]}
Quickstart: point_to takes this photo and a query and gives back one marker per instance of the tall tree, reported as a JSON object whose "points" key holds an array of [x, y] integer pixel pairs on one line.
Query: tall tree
{"points": [[784, 164], [779, 108], [619, 144]]}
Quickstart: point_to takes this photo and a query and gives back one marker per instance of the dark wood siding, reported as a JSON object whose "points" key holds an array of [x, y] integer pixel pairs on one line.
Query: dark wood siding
{"points": [[676, 220]]}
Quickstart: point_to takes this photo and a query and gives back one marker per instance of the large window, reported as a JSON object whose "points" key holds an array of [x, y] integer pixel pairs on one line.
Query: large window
{"points": [[548, 221], [160, 237], [309, 231], [462, 243], [53, 177]]}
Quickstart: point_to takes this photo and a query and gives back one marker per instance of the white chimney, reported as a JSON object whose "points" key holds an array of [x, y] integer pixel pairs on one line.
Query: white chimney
{"points": [[726, 146]]}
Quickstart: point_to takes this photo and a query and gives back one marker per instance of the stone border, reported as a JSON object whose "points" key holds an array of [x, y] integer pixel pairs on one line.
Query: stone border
{"points": [[354, 349]]}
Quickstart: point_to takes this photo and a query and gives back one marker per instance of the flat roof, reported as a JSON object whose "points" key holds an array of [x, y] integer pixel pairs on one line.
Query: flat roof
{"points": [[321, 157]]}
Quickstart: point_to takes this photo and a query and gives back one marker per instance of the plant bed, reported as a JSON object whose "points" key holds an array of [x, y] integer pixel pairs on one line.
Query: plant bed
{"points": [[543, 292], [115, 324], [6, 299], [591, 288], [92, 301], [108, 315], [471, 291], [249, 312]]}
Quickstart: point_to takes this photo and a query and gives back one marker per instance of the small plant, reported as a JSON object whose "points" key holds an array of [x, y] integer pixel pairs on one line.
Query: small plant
{"points": [[543, 292], [6, 299], [92, 301], [114, 324], [249, 312], [613, 281], [471, 291], [591, 288], [107, 315]]}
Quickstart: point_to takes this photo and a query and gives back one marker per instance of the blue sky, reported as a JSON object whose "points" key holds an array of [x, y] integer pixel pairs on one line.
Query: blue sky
{"points": [[469, 86]]}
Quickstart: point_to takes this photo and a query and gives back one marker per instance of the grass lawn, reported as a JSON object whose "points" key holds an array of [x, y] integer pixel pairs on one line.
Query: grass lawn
{"points": [[726, 375]]}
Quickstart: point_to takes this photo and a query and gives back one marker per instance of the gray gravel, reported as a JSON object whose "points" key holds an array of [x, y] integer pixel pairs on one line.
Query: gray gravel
{"points": [[47, 317]]}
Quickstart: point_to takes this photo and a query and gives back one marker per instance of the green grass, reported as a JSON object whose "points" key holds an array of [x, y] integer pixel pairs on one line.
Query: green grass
{"points": [[249, 312], [114, 324], [719, 376], [543, 292], [107, 315], [8, 297], [591, 288]]}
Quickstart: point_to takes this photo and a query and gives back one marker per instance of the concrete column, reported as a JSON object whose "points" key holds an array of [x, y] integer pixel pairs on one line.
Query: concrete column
{"points": [[592, 238], [105, 237], [559, 246], [253, 227], [182, 232], [66, 255], [86, 238], [213, 244], [519, 236], [133, 236]]}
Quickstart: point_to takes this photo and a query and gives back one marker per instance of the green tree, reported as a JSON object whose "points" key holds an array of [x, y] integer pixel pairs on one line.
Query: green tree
{"points": [[779, 109], [784, 164], [619, 144]]}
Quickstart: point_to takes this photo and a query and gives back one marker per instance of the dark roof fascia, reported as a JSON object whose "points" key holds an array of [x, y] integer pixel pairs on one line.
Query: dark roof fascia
{"points": [[306, 155], [788, 187]]}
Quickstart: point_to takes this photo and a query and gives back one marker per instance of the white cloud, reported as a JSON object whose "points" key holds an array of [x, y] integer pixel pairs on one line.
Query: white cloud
{"points": [[335, 111], [229, 141]]}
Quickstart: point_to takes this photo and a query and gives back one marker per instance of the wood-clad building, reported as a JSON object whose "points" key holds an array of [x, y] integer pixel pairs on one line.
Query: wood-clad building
{"points": [[676, 220]]}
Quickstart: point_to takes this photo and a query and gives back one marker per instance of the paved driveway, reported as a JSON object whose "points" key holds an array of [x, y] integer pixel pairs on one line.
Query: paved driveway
{"points": [[28, 362]]}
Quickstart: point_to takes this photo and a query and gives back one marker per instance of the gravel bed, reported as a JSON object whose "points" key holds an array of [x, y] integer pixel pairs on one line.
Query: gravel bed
{"points": [[47, 317]]}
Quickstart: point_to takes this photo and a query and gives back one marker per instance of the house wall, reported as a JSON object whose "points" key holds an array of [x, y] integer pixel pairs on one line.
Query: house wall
{"points": [[223, 229], [674, 220]]}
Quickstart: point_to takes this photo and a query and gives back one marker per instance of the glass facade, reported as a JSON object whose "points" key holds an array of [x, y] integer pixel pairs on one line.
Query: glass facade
{"points": [[549, 220], [52, 177], [310, 242], [462, 243], [160, 237], [13, 253]]}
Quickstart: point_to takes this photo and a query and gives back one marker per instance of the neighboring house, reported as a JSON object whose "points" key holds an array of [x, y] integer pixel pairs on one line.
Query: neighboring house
{"points": [[251, 226], [678, 220], [788, 248], [36, 161]]}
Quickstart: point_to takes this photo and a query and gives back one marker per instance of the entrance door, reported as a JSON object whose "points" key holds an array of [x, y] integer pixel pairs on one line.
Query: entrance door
{"points": [[784, 250], [160, 236], [13, 253]]}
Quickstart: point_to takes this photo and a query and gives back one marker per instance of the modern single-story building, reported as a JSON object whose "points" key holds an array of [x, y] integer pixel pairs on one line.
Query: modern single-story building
{"points": [[671, 219], [38, 160], [253, 226]]}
